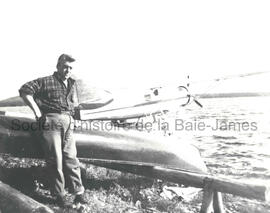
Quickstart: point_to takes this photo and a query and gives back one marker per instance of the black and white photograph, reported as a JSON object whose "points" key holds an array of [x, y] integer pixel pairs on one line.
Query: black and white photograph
{"points": [[135, 106]]}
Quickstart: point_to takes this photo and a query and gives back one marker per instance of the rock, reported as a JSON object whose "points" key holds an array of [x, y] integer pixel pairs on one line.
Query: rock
{"points": [[171, 192]]}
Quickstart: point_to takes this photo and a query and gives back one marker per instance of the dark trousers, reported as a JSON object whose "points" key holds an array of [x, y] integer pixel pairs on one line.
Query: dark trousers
{"points": [[61, 153]]}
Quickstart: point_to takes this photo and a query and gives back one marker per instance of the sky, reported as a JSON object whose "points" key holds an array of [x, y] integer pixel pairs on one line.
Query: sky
{"points": [[140, 43]]}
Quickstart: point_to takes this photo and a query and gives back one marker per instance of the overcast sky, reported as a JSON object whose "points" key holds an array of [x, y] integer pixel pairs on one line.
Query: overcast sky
{"points": [[135, 43]]}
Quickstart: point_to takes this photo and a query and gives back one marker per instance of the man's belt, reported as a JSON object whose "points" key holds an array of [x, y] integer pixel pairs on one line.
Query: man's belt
{"points": [[66, 112], [60, 112]]}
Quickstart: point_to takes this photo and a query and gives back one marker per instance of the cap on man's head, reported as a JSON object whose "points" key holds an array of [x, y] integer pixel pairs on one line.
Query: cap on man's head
{"points": [[64, 58]]}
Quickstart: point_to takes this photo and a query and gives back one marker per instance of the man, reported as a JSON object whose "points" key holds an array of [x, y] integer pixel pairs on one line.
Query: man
{"points": [[52, 99]]}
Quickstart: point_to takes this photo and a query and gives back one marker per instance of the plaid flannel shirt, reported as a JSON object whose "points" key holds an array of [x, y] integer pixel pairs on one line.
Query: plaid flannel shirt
{"points": [[51, 94]]}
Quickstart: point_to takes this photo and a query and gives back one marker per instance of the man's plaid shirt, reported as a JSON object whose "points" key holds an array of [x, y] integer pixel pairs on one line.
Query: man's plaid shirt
{"points": [[51, 94]]}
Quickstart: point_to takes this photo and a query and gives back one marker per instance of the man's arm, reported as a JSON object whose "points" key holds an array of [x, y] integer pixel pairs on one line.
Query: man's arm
{"points": [[27, 91], [29, 100]]}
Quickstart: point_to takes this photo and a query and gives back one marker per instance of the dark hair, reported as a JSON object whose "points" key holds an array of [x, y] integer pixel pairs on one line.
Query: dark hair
{"points": [[64, 58]]}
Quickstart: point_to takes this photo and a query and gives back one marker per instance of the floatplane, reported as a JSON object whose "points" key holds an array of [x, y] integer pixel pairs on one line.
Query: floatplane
{"points": [[123, 149]]}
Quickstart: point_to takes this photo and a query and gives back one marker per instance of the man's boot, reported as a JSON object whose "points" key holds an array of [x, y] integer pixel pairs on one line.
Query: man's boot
{"points": [[62, 201], [80, 199]]}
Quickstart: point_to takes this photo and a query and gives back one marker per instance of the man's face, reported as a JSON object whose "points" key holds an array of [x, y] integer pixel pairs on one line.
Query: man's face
{"points": [[65, 70]]}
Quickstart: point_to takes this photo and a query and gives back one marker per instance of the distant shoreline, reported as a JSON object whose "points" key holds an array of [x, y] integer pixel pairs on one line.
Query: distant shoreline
{"points": [[234, 95]]}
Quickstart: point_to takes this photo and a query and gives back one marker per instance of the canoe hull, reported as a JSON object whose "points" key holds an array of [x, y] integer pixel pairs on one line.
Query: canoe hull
{"points": [[115, 144]]}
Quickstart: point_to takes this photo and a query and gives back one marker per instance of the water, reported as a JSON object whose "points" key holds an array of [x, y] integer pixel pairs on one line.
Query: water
{"points": [[240, 146]]}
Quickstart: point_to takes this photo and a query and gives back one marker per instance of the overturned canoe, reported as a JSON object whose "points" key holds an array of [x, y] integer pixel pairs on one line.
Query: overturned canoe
{"points": [[20, 137]]}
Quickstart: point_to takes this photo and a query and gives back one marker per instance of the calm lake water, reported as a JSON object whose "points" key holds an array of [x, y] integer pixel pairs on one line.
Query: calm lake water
{"points": [[233, 135]]}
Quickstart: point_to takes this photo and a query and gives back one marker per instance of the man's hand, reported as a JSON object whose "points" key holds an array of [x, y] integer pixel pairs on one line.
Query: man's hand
{"points": [[38, 115], [76, 115]]}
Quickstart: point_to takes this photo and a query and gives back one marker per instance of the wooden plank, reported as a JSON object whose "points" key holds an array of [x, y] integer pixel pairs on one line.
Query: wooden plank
{"points": [[11, 200], [248, 190], [236, 187]]}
